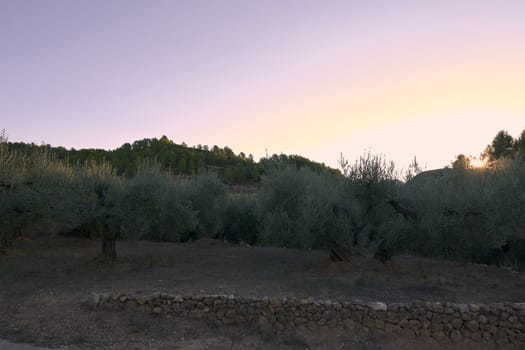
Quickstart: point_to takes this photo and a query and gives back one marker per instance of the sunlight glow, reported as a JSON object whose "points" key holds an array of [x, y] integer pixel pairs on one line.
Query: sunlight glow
{"points": [[477, 163]]}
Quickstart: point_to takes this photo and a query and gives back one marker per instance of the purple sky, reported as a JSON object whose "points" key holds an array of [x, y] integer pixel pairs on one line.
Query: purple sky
{"points": [[405, 78]]}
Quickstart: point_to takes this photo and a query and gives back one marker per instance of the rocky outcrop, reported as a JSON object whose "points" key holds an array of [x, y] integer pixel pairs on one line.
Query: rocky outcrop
{"points": [[499, 323]]}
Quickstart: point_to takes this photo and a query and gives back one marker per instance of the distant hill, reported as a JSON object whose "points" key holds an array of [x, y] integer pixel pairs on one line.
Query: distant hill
{"points": [[177, 159]]}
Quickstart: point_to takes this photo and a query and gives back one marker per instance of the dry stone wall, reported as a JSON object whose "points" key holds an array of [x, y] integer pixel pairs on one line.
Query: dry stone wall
{"points": [[500, 323]]}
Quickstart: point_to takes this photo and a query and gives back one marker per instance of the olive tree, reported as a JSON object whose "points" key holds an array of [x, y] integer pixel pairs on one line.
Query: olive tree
{"points": [[371, 182], [300, 208], [208, 197], [151, 205]]}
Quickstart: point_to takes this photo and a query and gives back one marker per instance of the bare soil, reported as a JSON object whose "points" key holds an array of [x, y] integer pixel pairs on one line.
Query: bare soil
{"points": [[44, 285]]}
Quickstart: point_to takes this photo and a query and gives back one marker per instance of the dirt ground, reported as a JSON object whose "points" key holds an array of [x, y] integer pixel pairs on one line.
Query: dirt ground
{"points": [[45, 285]]}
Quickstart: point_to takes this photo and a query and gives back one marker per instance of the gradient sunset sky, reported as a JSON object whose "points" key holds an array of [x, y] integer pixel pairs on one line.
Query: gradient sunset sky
{"points": [[430, 79]]}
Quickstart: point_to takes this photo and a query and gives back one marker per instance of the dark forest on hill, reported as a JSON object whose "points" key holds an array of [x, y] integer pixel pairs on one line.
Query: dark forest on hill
{"points": [[177, 159]]}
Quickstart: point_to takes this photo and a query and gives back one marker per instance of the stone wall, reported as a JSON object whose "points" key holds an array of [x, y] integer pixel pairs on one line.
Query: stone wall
{"points": [[497, 322]]}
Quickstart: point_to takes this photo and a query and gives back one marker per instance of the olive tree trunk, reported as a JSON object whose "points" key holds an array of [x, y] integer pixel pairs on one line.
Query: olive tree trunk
{"points": [[109, 246]]}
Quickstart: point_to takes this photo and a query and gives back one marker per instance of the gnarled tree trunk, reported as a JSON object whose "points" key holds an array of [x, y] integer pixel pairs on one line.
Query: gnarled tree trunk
{"points": [[109, 240], [109, 246]]}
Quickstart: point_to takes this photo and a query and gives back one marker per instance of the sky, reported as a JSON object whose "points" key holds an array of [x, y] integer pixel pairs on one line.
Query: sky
{"points": [[430, 79]]}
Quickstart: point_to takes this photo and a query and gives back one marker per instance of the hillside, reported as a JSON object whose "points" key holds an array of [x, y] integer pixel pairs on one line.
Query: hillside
{"points": [[178, 159]]}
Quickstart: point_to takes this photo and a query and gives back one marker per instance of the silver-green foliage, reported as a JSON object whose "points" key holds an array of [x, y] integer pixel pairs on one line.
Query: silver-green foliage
{"points": [[208, 197], [302, 208], [15, 195], [370, 182], [40, 195], [464, 213], [151, 206], [240, 219]]}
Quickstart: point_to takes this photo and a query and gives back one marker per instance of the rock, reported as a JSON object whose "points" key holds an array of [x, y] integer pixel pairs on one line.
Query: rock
{"points": [[466, 317], [498, 307], [472, 326], [425, 333], [396, 307], [104, 297], [379, 324], [438, 308], [439, 336], [483, 319], [462, 308], [391, 328], [300, 321], [492, 329], [123, 299], [436, 327], [403, 323], [377, 306], [455, 336], [275, 302], [368, 322], [414, 324], [457, 323], [518, 306], [474, 308], [157, 310], [95, 297], [349, 324], [175, 308], [141, 300]]}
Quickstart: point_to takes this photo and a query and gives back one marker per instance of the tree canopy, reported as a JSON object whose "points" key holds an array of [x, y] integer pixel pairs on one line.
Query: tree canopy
{"points": [[177, 159]]}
